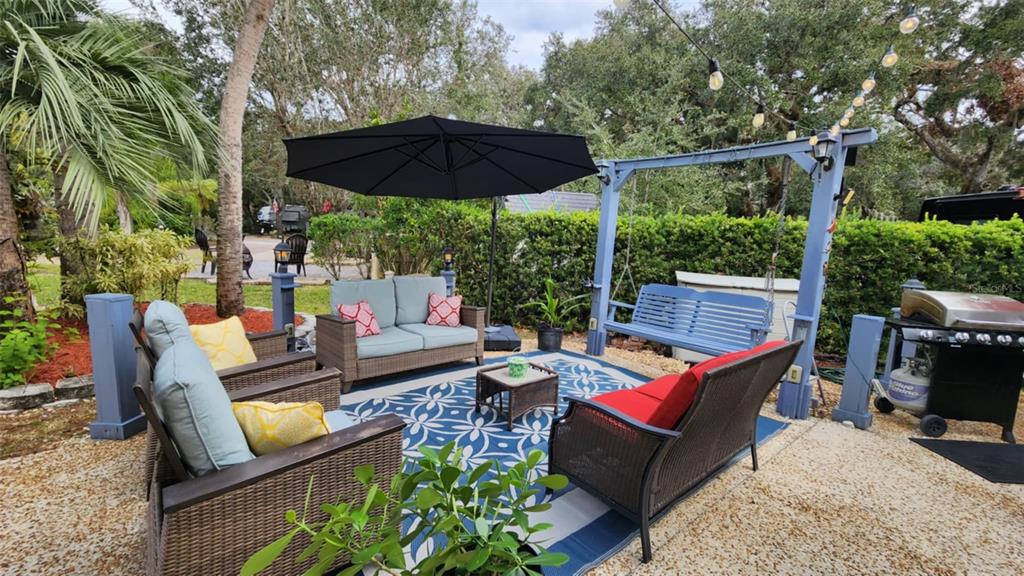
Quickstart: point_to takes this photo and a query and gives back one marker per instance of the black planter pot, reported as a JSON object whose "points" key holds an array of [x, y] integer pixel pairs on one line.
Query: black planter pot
{"points": [[549, 338]]}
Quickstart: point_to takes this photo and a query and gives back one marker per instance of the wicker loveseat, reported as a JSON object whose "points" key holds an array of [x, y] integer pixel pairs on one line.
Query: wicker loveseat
{"points": [[406, 342], [641, 470]]}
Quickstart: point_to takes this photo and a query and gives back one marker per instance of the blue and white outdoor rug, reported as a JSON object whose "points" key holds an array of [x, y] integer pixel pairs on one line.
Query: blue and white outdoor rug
{"points": [[439, 407]]}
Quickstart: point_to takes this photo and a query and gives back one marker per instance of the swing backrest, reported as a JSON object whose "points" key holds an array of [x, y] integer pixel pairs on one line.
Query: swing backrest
{"points": [[730, 320]]}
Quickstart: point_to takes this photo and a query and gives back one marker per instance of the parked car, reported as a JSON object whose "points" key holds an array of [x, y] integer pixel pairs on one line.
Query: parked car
{"points": [[266, 220]]}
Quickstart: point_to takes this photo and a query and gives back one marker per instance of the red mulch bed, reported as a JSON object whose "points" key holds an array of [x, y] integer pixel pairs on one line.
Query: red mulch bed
{"points": [[73, 357]]}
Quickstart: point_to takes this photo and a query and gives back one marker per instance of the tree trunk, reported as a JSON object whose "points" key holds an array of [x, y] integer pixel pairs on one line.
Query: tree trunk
{"points": [[13, 276], [230, 300], [70, 225], [124, 216]]}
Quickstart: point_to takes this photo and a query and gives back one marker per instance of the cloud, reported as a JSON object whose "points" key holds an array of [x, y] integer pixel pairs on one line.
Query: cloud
{"points": [[530, 22]]}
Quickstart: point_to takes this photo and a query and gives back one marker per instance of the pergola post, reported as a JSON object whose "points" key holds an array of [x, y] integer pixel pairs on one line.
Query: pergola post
{"points": [[612, 180], [795, 392]]}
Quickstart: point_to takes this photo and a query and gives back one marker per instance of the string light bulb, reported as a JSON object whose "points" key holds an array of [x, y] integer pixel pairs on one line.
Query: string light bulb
{"points": [[791, 135], [834, 130], [849, 113], [715, 78], [813, 140], [868, 84], [891, 57], [758, 120], [844, 122], [858, 100], [911, 21]]}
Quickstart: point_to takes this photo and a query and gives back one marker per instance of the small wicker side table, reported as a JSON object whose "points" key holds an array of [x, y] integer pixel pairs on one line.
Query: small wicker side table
{"points": [[539, 387]]}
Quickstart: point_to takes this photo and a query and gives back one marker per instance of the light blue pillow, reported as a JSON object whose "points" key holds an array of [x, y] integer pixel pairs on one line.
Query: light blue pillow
{"points": [[165, 325], [197, 410], [412, 294]]}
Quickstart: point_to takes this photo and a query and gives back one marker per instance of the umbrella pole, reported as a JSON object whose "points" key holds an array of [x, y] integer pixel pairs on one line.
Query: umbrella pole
{"points": [[490, 264]]}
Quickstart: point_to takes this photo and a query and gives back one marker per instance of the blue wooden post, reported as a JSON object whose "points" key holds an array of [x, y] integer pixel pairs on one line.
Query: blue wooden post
{"points": [[118, 415], [795, 395], [861, 362], [611, 182], [282, 299]]}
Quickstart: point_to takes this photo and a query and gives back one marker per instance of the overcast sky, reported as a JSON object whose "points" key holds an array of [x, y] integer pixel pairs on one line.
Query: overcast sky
{"points": [[528, 21]]}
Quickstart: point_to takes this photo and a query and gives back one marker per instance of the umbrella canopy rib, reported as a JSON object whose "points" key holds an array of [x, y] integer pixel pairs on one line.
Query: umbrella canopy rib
{"points": [[512, 174], [353, 157]]}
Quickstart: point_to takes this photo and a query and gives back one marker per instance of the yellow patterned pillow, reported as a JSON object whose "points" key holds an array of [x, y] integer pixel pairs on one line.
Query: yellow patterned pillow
{"points": [[270, 426], [225, 343]]}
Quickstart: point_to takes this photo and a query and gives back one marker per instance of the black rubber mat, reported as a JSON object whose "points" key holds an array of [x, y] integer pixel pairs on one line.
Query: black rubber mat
{"points": [[995, 462]]}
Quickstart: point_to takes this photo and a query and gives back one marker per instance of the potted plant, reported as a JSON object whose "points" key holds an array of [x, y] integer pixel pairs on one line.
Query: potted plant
{"points": [[554, 312], [478, 518]]}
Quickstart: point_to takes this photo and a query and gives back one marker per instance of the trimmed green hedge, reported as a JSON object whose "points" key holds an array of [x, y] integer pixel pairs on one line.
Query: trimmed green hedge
{"points": [[870, 258]]}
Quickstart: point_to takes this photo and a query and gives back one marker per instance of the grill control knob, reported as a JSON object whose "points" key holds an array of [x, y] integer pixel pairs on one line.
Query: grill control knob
{"points": [[962, 337], [1004, 339], [984, 338], [926, 334]]}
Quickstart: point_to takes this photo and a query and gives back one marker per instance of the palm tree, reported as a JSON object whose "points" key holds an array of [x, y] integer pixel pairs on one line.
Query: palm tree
{"points": [[230, 300], [85, 90]]}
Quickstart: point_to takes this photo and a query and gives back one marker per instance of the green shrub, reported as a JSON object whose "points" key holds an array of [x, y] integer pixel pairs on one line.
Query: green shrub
{"points": [[870, 259], [24, 343], [338, 239], [128, 263]]}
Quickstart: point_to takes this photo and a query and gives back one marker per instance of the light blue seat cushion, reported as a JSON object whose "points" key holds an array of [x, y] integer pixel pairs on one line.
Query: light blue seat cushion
{"points": [[390, 341], [411, 294], [165, 324], [197, 411], [442, 336], [338, 420], [380, 294]]}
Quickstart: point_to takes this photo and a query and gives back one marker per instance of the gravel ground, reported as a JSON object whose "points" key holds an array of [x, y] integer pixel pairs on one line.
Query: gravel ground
{"points": [[828, 499]]}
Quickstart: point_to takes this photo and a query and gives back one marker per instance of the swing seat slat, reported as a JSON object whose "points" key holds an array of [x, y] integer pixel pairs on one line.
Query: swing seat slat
{"points": [[708, 322]]}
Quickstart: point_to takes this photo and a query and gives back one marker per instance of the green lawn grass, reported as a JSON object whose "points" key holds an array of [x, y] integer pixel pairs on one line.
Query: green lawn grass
{"points": [[44, 279]]}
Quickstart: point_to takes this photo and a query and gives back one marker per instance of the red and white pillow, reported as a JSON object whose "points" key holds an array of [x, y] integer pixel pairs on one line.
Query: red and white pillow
{"points": [[443, 311], [362, 314]]}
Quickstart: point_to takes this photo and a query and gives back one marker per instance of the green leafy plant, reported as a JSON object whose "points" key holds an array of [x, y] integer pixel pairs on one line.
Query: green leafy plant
{"points": [[479, 517], [555, 311], [24, 342], [128, 263], [340, 239]]}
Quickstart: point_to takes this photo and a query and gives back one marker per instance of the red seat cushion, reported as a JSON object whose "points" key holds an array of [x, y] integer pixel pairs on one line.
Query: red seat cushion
{"points": [[631, 403], [663, 402], [696, 373]]}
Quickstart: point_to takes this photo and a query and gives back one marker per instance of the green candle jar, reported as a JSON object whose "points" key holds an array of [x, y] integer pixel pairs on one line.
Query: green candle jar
{"points": [[517, 367]]}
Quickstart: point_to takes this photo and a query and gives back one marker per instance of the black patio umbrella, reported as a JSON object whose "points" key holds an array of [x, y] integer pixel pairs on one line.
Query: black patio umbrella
{"points": [[433, 157]]}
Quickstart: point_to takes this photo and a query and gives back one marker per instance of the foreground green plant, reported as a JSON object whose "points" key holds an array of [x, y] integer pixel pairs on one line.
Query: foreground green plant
{"points": [[479, 518], [24, 342]]}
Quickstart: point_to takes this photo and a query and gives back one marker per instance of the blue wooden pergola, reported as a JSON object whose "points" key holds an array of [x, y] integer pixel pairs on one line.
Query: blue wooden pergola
{"points": [[827, 177]]}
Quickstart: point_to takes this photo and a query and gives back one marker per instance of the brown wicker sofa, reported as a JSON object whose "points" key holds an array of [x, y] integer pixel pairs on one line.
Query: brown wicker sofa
{"points": [[213, 523], [641, 470], [400, 307]]}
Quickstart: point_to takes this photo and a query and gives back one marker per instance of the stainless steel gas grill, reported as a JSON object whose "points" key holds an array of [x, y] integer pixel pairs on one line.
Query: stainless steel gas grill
{"points": [[956, 355]]}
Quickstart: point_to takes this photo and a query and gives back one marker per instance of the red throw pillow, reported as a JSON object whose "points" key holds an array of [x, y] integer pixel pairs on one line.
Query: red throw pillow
{"points": [[362, 314], [443, 311]]}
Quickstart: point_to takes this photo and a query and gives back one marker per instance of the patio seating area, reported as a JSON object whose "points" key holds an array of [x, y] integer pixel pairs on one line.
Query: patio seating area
{"points": [[813, 505], [268, 308]]}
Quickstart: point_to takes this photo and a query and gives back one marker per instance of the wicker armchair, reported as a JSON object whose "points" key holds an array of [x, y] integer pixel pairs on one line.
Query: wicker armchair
{"points": [[641, 470], [273, 365], [211, 524], [336, 346]]}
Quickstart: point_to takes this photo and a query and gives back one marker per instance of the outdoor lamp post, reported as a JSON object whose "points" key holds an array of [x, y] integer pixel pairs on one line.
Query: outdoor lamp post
{"points": [[822, 150], [282, 254], [448, 259], [282, 293]]}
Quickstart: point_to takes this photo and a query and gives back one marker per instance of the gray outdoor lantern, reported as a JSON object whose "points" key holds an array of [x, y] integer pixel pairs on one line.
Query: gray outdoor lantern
{"points": [[282, 293], [822, 150]]}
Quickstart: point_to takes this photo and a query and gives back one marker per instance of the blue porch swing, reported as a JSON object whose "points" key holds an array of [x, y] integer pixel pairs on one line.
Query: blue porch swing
{"points": [[715, 322]]}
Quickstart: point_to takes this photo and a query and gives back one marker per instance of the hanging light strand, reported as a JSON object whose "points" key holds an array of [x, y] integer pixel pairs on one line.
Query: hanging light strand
{"points": [[714, 68]]}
